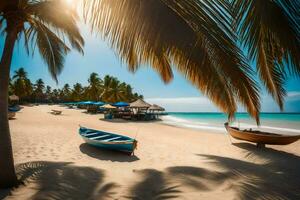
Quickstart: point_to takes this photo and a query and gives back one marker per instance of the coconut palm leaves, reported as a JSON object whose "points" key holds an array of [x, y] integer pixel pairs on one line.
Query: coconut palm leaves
{"points": [[44, 24], [194, 36], [271, 32]]}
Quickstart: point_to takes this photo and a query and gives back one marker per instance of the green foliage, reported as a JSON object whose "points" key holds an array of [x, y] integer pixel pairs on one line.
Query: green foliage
{"points": [[110, 90]]}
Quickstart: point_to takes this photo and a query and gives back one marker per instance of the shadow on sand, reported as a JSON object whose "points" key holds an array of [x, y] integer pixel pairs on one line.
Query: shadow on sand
{"points": [[265, 174], [154, 185], [62, 180], [278, 177], [103, 154]]}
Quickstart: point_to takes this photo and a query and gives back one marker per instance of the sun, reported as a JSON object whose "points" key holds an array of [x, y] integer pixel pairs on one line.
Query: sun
{"points": [[69, 1]]}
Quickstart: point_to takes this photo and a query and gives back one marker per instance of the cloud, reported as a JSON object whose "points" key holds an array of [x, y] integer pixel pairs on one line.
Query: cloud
{"points": [[293, 95], [203, 104], [185, 104]]}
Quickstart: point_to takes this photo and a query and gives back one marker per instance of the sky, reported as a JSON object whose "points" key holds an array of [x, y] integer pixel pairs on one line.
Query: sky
{"points": [[177, 96]]}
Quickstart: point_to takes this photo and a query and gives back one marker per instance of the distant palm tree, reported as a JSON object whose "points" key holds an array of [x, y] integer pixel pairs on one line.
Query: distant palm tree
{"points": [[113, 90], [54, 95], [21, 85], [38, 92], [66, 92], [95, 87], [77, 92], [45, 24], [48, 93]]}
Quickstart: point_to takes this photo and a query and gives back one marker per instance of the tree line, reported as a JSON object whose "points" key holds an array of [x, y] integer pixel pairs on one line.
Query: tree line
{"points": [[109, 89]]}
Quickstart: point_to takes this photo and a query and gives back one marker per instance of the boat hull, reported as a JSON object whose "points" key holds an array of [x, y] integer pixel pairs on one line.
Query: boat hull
{"points": [[121, 143], [273, 139], [116, 147]]}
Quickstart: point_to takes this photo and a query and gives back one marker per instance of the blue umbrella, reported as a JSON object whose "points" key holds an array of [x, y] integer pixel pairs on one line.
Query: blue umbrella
{"points": [[99, 103], [86, 103], [121, 104]]}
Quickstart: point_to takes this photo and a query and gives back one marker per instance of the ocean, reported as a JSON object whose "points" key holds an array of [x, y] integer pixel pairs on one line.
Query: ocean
{"points": [[284, 123]]}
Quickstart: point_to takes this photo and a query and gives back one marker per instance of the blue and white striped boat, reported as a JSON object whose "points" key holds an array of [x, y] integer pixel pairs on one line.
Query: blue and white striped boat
{"points": [[107, 140]]}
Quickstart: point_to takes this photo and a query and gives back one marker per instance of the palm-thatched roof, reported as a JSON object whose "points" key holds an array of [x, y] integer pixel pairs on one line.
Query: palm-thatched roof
{"points": [[140, 104], [14, 97], [156, 107], [108, 106]]}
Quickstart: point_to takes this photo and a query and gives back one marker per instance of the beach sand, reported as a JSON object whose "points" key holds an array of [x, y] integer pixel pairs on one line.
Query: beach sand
{"points": [[170, 162]]}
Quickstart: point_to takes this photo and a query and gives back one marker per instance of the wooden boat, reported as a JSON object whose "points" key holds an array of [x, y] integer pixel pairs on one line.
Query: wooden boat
{"points": [[11, 115], [107, 140], [16, 108], [261, 138]]}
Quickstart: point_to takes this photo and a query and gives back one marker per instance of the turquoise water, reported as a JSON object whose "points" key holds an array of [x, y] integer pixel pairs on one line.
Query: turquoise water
{"points": [[274, 122]]}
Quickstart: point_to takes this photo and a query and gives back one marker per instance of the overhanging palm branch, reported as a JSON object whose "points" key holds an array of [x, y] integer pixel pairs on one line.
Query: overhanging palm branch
{"points": [[48, 27], [270, 29], [194, 36]]}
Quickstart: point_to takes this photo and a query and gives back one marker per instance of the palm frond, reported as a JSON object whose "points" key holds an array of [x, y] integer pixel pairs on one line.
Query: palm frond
{"points": [[64, 19], [51, 47], [271, 32], [194, 36]]}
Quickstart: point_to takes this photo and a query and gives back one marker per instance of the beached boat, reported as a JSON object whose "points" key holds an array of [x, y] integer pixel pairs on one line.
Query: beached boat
{"points": [[261, 138], [107, 140], [16, 108]]}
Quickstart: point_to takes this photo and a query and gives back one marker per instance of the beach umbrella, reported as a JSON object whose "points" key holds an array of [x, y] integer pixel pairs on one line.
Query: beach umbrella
{"points": [[87, 103], [139, 104], [121, 104], [14, 97], [108, 106], [155, 107], [99, 103]]}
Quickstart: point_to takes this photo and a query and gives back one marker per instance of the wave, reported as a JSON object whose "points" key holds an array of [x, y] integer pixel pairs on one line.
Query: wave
{"points": [[219, 127], [175, 121]]}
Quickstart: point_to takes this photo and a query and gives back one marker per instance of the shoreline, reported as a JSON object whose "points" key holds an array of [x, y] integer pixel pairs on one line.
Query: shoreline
{"points": [[193, 164]]}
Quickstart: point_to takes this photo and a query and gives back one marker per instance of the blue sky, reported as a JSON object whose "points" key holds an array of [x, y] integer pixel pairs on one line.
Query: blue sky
{"points": [[179, 95]]}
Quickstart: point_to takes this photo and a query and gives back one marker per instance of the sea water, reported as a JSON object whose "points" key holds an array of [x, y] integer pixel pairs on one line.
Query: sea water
{"points": [[284, 123]]}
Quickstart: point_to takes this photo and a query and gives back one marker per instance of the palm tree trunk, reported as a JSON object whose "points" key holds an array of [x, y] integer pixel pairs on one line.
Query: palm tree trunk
{"points": [[8, 176]]}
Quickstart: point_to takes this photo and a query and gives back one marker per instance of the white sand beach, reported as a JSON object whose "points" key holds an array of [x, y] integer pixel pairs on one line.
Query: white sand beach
{"points": [[170, 162]]}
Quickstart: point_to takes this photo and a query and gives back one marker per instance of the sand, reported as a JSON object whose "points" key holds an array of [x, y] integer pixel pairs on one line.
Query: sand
{"points": [[170, 162]]}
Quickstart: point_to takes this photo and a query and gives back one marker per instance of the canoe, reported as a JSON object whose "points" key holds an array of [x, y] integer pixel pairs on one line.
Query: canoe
{"points": [[14, 109], [261, 138], [107, 140]]}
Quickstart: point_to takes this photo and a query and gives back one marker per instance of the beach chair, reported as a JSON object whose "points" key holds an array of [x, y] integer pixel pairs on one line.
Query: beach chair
{"points": [[56, 112]]}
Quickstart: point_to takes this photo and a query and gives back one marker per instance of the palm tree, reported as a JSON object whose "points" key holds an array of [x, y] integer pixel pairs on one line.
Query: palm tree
{"points": [[94, 88], [46, 24], [66, 92], [77, 92], [22, 86], [48, 93], [38, 92], [54, 95]]}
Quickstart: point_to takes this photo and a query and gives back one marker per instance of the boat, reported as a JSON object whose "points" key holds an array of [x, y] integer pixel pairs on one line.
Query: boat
{"points": [[259, 137], [14, 108], [105, 140]]}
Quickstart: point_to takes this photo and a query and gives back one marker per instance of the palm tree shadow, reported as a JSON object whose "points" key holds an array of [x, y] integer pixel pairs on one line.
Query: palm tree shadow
{"points": [[277, 177], [103, 154], [62, 180], [154, 185]]}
